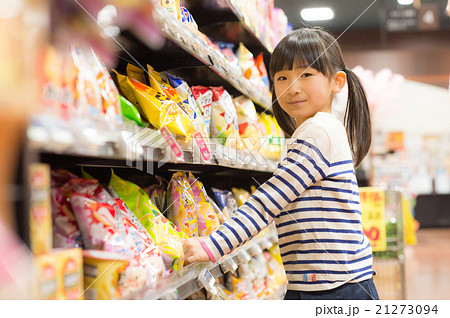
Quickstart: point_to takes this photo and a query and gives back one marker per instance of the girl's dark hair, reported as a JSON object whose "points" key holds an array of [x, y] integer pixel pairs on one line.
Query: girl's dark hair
{"points": [[316, 48]]}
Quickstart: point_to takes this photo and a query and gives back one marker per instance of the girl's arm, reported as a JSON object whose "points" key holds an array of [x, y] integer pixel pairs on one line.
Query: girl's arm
{"points": [[305, 163]]}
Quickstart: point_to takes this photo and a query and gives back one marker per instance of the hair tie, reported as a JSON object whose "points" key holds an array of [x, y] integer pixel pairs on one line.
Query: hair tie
{"points": [[346, 69]]}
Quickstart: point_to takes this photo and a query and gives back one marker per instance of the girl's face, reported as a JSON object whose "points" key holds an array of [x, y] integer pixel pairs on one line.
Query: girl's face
{"points": [[303, 92]]}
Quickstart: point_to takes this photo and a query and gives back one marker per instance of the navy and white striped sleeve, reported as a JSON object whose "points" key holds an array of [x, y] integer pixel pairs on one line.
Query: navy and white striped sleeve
{"points": [[305, 163]]}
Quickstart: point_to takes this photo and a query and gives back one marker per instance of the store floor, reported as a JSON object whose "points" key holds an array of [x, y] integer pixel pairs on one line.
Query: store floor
{"points": [[427, 265]]}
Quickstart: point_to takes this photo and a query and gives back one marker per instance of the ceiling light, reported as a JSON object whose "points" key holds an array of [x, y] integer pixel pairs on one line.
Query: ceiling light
{"points": [[405, 2], [317, 14]]}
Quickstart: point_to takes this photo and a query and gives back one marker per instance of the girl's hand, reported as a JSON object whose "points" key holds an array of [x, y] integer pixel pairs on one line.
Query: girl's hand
{"points": [[193, 251]]}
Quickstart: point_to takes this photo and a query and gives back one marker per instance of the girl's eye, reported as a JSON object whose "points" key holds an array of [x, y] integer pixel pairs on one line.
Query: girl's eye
{"points": [[306, 74], [281, 78]]}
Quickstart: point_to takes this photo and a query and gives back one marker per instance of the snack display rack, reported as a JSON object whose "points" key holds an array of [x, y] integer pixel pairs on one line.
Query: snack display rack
{"points": [[230, 77], [89, 144]]}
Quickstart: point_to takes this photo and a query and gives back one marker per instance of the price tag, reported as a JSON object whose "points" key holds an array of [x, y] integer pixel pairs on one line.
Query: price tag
{"points": [[171, 142], [207, 281], [202, 146], [229, 265], [244, 256]]}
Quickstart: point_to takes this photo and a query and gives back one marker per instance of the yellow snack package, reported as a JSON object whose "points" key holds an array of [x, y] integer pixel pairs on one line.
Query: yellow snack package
{"points": [[159, 85], [183, 208], [157, 109], [240, 195], [271, 150], [136, 73], [173, 6], [163, 232], [207, 220], [102, 272]]}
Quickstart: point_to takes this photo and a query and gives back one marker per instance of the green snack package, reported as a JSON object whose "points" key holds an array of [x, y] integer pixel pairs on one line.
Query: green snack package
{"points": [[130, 111], [163, 232]]}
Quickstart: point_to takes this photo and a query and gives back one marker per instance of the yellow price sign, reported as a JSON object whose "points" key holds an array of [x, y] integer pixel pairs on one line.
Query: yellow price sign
{"points": [[373, 222]]}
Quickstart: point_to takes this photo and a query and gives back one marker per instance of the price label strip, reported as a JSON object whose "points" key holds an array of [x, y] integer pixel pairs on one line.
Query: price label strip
{"points": [[176, 149], [229, 265], [207, 281]]}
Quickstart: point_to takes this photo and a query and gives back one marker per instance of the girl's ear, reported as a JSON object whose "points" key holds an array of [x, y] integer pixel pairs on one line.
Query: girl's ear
{"points": [[340, 78]]}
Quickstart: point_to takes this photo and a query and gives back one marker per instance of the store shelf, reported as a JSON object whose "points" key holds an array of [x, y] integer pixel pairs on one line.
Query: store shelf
{"points": [[170, 58], [184, 283], [223, 21]]}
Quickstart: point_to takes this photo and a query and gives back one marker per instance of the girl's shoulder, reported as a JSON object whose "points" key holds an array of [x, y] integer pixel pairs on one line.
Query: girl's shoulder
{"points": [[322, 123]]}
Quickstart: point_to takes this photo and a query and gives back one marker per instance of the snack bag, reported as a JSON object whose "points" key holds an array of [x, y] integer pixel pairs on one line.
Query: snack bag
{"points": [[102, 274], [227, 51], [66, 233], [173, 6], [262, 69], [96, 221], [159, 85], [187, 19], [203, 97], [163, 232], [241, 289], [157, 193], [108, 90], [247, 118], [157, 109], [130, 111], [146, 252], [183, 208], [189, 103], [184, 92], [88, 99], [207, 219], [225, 199], [224, 124], [240, 195], [247, 62], [136, 73], [61, 176]]}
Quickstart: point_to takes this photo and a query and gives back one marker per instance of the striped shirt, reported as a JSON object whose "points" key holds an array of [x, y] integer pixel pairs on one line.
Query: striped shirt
{"points": [[313, 199]]}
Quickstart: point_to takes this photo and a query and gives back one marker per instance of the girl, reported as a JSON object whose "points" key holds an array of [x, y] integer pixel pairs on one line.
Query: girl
{"points": [[313, 196]]}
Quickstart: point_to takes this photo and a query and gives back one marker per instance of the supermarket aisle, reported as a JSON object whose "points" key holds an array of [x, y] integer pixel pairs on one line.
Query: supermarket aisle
{"points": [[427, 265]]}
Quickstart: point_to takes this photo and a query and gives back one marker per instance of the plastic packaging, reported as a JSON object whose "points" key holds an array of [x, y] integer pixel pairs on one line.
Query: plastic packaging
{"points": [[130, 111], [96, 221], [224, 124], [225, 199], [157, 109], [173, 6], [163, 232], [262, 69], [183, 208], [203, 96], [207, 219], [247, 118], [108, 90], [240, 195]]}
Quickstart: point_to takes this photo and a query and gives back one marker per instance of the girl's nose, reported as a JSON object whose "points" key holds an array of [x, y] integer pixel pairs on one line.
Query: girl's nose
{"points": [[294, 88]]}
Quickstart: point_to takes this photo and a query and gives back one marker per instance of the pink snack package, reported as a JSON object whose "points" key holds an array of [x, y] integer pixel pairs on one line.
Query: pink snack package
{"points": [[97, 224]]}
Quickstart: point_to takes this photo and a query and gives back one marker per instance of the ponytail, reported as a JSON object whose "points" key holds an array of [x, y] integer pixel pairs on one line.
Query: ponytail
{"points": [[357, 118]]}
